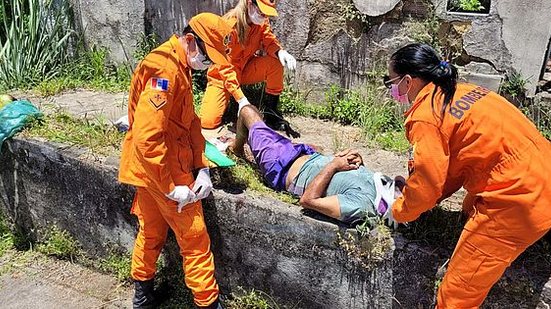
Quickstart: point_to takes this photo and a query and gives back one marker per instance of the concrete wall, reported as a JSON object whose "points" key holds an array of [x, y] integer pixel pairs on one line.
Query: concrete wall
{"points": [[512, 37], [258, 242], [333, 48]]}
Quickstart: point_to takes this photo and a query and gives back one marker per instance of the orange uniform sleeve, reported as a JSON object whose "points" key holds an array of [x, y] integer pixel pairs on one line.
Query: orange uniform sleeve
{"points": [[231, 83], [149, 127], [270, 42], [198, 144], [425, 185]]}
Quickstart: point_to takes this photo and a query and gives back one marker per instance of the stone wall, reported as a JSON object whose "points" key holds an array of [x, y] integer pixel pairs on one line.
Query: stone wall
{"points": [[333, 47], [258, 242]]}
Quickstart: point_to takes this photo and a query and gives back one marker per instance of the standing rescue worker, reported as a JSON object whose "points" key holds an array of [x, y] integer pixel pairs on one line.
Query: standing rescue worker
{"points": [[162, 149], [467, 136], [256, 56]]}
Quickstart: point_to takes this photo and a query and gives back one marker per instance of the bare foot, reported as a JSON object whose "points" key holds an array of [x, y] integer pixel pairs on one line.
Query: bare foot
{"points": [[237, 151]]}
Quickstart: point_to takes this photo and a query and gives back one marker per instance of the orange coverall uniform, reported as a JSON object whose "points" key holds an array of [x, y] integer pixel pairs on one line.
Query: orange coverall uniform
{"points": [[247, 68], [486, 145], [162, 147]]}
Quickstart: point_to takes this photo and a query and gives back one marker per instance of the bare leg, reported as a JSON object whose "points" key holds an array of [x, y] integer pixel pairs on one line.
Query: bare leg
{"points": [[248, 116]]}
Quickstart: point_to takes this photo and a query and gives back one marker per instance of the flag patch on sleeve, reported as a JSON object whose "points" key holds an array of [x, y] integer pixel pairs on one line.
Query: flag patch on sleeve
{"points": [[159, 83]]}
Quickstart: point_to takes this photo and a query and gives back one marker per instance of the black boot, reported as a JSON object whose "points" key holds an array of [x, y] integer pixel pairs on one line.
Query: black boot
{"points": [[143, 294], [273, 117]]}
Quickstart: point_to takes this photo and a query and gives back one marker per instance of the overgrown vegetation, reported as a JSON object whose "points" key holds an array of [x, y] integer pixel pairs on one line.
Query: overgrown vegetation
{"points": [[60, 244], [253, 299], [366, 252], [514, 85], [466, 5], [369, 108], [35, 41], [6, 236], [97, 134], [88, 69], [118, 264]]}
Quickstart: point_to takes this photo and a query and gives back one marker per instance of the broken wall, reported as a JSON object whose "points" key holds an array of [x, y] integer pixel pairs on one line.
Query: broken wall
{"points": [[339, 42]]}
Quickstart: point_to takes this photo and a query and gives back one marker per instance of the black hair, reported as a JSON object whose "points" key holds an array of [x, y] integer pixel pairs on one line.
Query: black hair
{"points": [[188, 29], [422, 61]]}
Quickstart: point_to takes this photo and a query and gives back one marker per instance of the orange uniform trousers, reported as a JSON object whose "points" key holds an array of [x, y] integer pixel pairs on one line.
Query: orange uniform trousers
{"points": [[477, 264], [156, 214], [259, 69]]}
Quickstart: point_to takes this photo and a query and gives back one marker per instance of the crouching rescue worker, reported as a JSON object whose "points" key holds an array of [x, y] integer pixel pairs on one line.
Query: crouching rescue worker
{"points": [[339, 186], [256, 56], [467, 136], [161, 151]]}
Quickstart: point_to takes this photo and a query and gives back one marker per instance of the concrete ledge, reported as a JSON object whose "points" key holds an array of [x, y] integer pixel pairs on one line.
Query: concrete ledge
{"points": [[257, 241]]}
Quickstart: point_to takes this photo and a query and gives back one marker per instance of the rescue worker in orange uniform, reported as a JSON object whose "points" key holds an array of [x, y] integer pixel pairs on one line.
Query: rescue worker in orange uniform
{"points": [[160, 152], [467, 136], [256, 56]]}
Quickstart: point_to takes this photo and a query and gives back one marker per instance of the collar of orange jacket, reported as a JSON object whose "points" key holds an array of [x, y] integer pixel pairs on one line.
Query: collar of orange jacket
{"points": [[420, 98], [179, 49]]}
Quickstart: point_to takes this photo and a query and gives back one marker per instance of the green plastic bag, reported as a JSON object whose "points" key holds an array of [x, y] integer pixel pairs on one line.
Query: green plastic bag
{"points": [[214, 155], [14, 116]]}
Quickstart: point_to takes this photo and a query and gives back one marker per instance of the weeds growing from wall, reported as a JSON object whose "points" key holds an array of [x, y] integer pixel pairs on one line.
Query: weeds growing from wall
{"points": [[253, 299], [60, 244], [6, 236]]}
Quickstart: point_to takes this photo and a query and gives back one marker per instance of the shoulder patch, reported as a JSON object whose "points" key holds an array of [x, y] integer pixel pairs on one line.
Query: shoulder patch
{"points": [[158, 99], [159, 83]]}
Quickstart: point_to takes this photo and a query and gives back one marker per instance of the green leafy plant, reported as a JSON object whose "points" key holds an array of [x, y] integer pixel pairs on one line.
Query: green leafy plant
{"points": [[118, 264], [89, 69], [59, 243], [145, 44], [37, 35], [6, 236], [514, 85], [252, 299], [467, 5], [95, 134]]}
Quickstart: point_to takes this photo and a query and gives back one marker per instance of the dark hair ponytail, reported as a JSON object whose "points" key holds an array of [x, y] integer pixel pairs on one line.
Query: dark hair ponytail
{"points": [[422, 61]]}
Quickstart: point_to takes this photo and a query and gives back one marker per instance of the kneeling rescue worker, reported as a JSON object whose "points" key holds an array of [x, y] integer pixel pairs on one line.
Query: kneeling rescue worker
{"points": [[162, 149], [467, 136]]}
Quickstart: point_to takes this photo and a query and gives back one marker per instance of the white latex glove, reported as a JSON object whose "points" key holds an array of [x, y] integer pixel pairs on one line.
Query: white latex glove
{"points": [[182, 195], [203, 185], [286, 59], [389, 219]]}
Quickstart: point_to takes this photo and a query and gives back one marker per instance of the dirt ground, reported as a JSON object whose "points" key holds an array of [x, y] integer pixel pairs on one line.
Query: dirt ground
{"points": [[31, 280]]}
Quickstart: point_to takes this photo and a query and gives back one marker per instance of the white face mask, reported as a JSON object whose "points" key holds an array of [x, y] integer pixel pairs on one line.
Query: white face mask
{"points": [[255, 16], [199, 61]]}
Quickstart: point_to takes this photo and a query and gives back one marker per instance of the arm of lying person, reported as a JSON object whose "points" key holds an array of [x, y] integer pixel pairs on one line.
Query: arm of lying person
{"points": [[313, 197]]}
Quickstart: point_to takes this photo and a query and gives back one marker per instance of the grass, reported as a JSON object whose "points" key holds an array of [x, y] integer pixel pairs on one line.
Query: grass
{"points": [[98, 135], [369, 108], [90, 70], [366, 252], [60, 244], [252, 299], [118, 264], [6, 236]]}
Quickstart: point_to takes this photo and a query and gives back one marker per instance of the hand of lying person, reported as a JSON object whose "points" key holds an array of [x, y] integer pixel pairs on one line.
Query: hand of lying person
{"points": [[352, 155], [342, 164]]}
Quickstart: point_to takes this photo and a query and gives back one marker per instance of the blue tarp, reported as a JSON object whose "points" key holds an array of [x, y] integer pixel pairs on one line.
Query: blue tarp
{"points": [[14, 116]]}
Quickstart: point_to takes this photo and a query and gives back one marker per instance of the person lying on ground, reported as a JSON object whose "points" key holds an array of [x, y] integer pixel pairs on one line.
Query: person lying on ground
{"points": [[338, 186]]}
